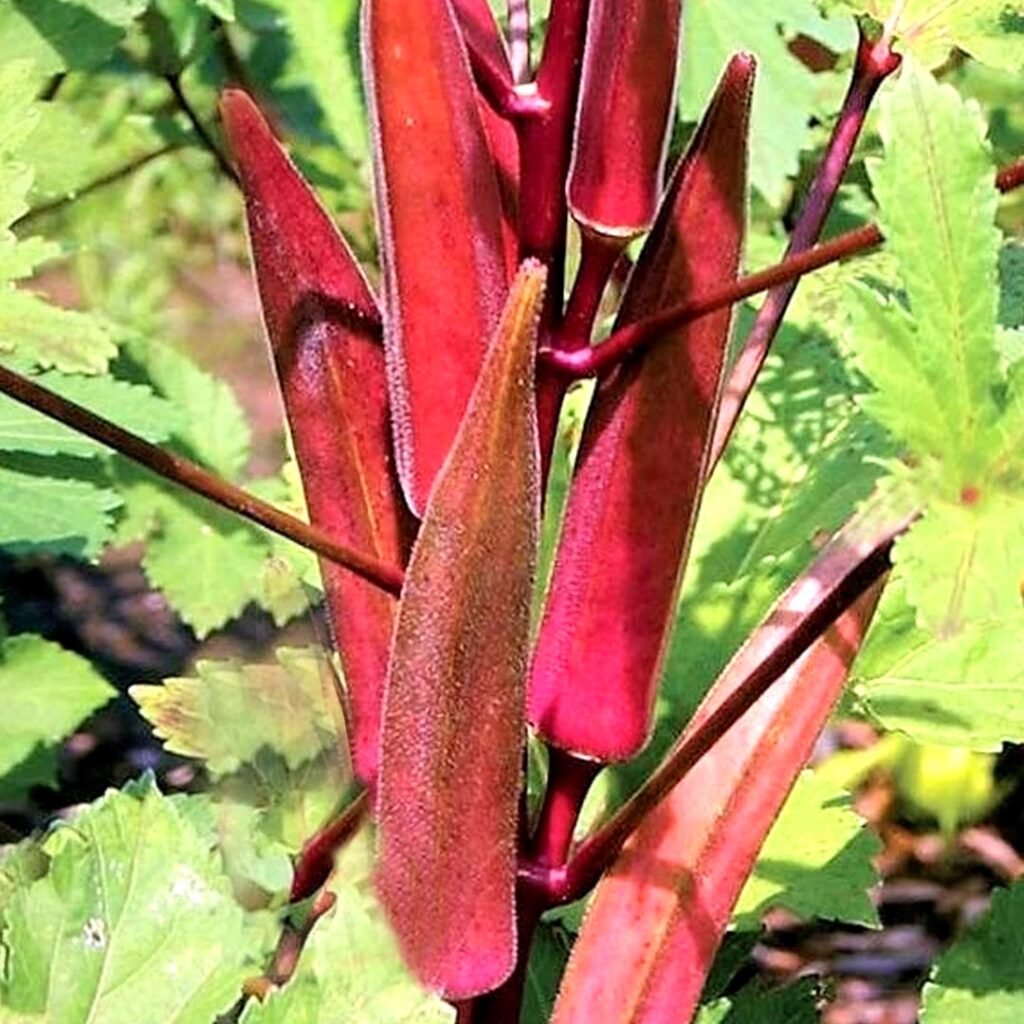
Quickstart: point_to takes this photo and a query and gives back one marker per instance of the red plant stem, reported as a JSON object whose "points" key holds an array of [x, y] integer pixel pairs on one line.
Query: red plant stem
{"points": [[545, 143], [874, 63], [600, 359], [598, 256], [187, 474], [597, 853], [519, 39], [545, 150], [293, 940], [569, 779], [316, 861], [1010, 177]]}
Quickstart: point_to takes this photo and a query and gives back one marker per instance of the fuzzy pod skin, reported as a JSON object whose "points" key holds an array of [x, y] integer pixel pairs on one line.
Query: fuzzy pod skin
{"points": [[636, 490], [483, 38], [324, 327], [625, 115], [658, 916], [453, 735], [440, 226]]}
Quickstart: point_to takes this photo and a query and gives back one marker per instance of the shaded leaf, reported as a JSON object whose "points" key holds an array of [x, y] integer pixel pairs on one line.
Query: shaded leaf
{"points": [[66, 516], [133, 899], [981, 976], [46, 691], [132, 406]]}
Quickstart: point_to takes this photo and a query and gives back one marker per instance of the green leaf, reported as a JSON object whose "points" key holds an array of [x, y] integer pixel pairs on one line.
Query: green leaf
{"points": [[549, 954], [207, 562], [981, 977], [45, 691], [964, 563], [224, 9], [131, 406], [989, 30], [937, 207], [787, 93], [816, 860], [67, 516], [49, 336], [790, 1004], [133, 924], [230, 710], [350, 969], [965, 689], [215, 428], [62, 36], [325, 38]]}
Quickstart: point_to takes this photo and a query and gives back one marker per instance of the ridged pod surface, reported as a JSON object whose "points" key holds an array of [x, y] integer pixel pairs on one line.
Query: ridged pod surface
{"points": [[440, 226], [639, 474], [658, 916], [453, 714], [625, 115], [323, 325]]}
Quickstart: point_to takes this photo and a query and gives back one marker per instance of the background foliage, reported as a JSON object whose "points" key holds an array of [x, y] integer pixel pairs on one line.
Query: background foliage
{"points": [[898, 376]]}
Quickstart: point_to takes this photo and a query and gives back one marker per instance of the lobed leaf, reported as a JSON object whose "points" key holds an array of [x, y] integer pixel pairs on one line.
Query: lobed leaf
{"points": [[440, 225], [46, 692], [453, 730], [937, 207], [322, 322], [980, 977], [134, 922], [639, 473], [668, 900], [229, 711], [626, 102]]}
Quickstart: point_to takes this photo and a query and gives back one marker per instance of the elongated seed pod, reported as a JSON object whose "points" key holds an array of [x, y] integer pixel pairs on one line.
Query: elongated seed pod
{"points": [[636, 490], [324, 331]]}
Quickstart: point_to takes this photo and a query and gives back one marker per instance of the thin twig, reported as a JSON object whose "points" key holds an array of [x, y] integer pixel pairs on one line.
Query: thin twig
{"points": [[875, 63], [187, 474], [601, 359], [204, 136], [110, 178], [836, 579]]}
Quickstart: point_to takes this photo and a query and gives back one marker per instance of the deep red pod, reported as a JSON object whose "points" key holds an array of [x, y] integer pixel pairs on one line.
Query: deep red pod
{"points": [[324, 331], [453, 731], [658, 916], [439, 215], [635, 492], [625, 114]]}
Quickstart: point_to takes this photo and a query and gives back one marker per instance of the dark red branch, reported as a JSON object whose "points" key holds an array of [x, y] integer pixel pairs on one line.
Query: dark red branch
{"points": [[316, 861], [600, 359], [187, 474], [875, 62], [842, 573]]}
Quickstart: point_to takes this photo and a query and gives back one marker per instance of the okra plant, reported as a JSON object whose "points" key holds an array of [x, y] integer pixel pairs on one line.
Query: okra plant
{"points": [[600, 545]]}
